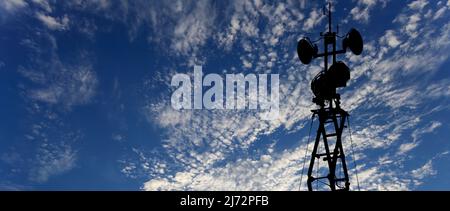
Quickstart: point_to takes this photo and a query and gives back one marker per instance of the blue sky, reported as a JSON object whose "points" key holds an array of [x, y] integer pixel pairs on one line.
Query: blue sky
{"points": [[85, 94]]}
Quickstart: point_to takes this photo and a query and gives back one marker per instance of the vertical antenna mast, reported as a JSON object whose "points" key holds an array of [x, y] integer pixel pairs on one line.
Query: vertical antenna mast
{"points": [[329, 17]]}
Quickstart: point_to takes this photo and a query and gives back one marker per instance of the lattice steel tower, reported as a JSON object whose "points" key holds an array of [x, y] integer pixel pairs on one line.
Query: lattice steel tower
{"points": [[332, 118]]}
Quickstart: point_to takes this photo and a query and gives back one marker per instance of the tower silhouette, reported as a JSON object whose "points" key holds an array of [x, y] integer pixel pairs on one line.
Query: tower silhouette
{"points": [[332, 118]]}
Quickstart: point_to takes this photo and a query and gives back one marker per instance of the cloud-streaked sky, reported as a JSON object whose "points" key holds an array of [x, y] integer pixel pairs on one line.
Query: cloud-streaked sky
{"points": [[85, 94]]}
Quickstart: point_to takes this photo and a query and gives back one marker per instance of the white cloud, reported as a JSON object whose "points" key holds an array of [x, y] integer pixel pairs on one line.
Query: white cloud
{"points": [[54, 23], [267, 172], [74, 86], [440, 89], [363, 8], [243, 22], [177, 27], [247, 64], [418, 4], [411, 27], [118, 137], [54, 153], [192, 29], [406, 147], [53, 160], [12, 5], [440, 13], [390, 39], [44, 4], [111, 10], [417, 133], [55, 82], [315, 17], [424, 171]]}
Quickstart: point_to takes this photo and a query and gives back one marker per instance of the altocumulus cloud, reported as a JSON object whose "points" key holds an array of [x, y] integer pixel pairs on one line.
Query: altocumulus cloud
{"points": [[53, 88]]}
